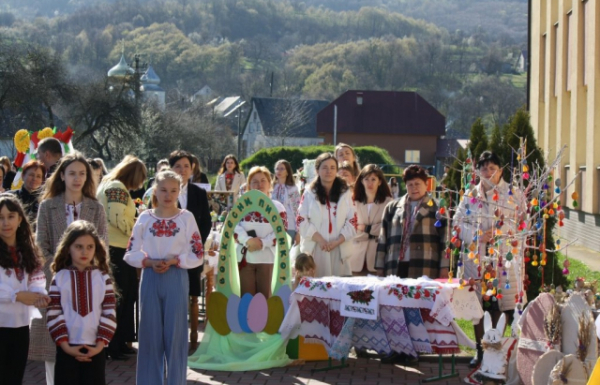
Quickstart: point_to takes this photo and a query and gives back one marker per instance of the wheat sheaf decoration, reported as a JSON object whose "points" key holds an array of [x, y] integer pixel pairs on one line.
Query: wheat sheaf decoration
{"points": [[553, 327]]}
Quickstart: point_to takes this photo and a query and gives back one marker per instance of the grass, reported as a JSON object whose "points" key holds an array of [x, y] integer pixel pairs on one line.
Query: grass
{"points": [[578, 269]]}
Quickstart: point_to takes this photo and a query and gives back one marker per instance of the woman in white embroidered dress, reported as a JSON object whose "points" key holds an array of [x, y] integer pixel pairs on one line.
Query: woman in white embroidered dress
{"points": [[327, 220], [22, 286], [286, 192], [164, 243], [256, 240]]}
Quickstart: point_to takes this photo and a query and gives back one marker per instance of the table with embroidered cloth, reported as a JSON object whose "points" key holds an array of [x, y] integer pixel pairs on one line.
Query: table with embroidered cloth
{"points": [[383, 314]]}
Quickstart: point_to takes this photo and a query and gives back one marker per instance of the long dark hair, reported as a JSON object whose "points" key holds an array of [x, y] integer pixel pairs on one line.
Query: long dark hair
{"points": [[224, 165], [62, 258], [31, 256], [383, 191], [339, 185], [56, 186], [289, 179]]}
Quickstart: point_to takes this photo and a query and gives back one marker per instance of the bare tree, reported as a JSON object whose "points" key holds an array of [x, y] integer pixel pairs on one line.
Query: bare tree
{"points": [[291, 118]]}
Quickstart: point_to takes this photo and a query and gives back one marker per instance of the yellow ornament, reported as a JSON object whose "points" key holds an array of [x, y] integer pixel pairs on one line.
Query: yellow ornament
{"points": [[22, 140], [45, 133], [18, 185], [430, 203]]}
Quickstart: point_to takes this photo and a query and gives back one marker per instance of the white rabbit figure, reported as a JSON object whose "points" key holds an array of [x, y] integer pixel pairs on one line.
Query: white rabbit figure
{"points": [[493, 364]]}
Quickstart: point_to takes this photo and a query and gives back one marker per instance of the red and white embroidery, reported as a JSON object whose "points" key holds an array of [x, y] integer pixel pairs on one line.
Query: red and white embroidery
{"points": [[81, 287], [164, 228], [299, 219], [196, 243], [255, 217], [354, 221]]}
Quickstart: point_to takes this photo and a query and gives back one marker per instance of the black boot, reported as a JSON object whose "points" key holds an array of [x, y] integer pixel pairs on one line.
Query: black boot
{"points": [[476, 361]]}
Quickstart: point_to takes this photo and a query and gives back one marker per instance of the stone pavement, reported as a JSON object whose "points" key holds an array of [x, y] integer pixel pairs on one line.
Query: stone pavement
{"points": [[360, 371]]}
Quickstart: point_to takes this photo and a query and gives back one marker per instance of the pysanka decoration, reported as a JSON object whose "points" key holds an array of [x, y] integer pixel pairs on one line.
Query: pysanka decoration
{"points": [[26, 143]]}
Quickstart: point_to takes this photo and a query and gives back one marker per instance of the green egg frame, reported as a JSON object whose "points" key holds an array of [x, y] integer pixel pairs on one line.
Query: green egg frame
{"points": [[228, 278]]}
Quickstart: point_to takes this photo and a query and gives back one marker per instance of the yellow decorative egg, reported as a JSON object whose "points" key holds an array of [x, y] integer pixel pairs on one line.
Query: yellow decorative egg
{"points": [[217, 313], [276, 314]]}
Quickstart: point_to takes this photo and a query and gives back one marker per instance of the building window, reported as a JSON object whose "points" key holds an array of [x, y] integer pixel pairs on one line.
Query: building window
{"points": [[571, 48], [555, 60], [412, 156], [543, 69], [588, 30], [254, 115]]}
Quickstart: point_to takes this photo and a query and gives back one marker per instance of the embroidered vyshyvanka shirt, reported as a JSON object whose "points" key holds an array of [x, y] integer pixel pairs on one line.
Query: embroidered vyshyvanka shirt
{"points": [[82, 307], [15, 314], [165, 238], [289, 196]]}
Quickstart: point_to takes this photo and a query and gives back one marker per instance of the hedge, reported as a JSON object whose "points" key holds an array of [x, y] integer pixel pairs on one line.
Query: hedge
{"points": [[269, 156]]}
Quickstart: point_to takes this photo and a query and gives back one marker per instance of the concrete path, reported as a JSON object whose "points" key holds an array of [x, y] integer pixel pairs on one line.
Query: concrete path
{"points": [[590, 257]]}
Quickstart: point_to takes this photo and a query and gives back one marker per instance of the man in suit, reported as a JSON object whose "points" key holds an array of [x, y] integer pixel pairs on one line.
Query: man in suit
{"points": [[49, 152], [195, 200]]}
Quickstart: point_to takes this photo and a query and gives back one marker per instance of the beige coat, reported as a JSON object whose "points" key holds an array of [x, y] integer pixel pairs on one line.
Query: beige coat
{"points": [[51, 225], [365, 248], [238, 180]]}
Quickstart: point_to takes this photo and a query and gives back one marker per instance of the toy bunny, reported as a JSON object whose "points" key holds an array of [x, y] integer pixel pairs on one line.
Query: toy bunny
{"points": [[493, 364]]}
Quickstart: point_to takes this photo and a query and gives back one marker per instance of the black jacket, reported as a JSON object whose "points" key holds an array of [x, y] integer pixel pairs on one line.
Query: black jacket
{"points": [[197, 204]]}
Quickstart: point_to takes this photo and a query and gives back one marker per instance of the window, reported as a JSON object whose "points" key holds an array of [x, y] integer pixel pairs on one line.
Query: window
{"points": [[588, 30], [571, 48], [254, 115], [555, 60], [412, 156], [543, 69]]}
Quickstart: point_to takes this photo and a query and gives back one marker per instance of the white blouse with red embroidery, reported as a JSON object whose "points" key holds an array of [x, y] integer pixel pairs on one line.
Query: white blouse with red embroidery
{"points": [[255, 221], [82, 307], [165, 238], [15, 314]]}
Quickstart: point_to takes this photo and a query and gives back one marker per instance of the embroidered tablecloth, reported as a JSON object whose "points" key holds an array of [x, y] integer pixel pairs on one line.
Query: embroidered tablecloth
{"points": [[320, 306]]}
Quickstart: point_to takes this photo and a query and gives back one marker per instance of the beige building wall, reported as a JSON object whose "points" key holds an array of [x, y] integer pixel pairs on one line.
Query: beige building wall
{"points": [[565, 104]]}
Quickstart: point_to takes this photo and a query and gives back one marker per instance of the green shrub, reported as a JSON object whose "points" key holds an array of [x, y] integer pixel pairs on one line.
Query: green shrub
{"points": [[269, 156]]}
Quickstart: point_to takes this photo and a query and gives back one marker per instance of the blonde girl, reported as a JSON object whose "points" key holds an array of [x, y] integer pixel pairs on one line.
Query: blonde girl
{"points": [[345, 153], [164, 244]]}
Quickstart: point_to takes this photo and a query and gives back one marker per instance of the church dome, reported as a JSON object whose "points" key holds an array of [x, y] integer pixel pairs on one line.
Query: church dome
{"points": [[150, 77], [121, 70]]}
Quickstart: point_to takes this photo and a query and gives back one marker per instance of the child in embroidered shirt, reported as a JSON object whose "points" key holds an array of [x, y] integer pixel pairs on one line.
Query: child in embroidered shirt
{"points": [[164, 243], [305, 267], [22, 286], [81, 315]]}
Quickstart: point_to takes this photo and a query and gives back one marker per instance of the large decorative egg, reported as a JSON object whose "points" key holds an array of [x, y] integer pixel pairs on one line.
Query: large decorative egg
{"points": [[284, 293], [276, 314], [216, 313], [258, 313], [232, 314], [243, 312]]}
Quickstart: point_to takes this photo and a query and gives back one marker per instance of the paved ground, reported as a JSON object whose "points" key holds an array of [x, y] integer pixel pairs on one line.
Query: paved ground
{"points": [[359, 371], [590, 257]]}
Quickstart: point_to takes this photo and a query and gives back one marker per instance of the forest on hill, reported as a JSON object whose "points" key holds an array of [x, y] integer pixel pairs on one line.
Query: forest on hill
{"points": [[311, 49]]}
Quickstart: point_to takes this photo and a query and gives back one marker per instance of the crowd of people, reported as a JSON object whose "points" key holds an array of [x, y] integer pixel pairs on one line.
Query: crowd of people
{"points": [[73, 244]]}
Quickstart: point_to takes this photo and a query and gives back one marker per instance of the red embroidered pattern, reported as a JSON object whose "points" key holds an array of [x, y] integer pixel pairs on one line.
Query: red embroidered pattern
{"points": [[284, 218], [336, 321], [299, 219], [196, 243], [255, 217], [354, 221], [81, 287], [311, 309], [116, 195], [162, 228]]}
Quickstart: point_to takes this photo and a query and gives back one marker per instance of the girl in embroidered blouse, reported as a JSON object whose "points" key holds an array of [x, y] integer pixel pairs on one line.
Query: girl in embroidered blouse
{"points": [[255, 240], [81, 315], [286, 192], [22, 288], [327, 220], [69, 194], [164, 244], [345, 153], [231, 177]]}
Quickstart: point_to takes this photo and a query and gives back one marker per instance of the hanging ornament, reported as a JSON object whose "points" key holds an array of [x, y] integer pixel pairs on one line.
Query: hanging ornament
{"points": [[575, 196]]}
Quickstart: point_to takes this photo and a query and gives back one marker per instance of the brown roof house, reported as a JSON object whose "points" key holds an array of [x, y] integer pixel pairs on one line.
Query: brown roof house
{"points": [[403, 123]]}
